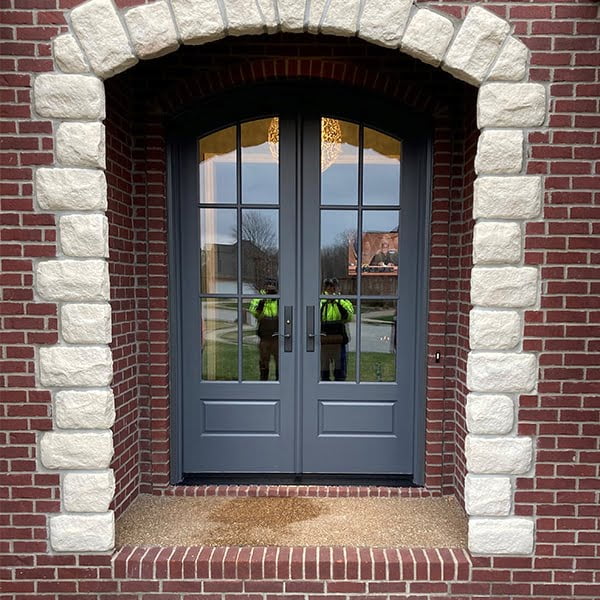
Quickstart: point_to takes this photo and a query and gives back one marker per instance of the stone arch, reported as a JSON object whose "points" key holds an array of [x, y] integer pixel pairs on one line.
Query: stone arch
{"points": [[103, 41]]}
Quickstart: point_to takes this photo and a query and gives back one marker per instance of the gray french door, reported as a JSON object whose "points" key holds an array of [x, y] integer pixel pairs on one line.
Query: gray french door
{"points": [[299, 243]]}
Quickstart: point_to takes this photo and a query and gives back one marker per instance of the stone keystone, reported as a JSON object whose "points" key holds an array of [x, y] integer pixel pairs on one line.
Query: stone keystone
{"points": [[152, 29], [243, 18], [102, 37], [198, 21], [382, 23]]}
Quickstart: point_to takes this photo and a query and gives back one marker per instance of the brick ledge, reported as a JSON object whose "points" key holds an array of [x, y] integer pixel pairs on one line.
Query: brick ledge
{"points": [[309, 491], [300, 563]]}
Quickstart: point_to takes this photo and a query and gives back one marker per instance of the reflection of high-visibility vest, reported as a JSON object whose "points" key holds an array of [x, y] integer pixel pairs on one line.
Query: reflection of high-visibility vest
{"points": [[266, 312], [336, 309]]}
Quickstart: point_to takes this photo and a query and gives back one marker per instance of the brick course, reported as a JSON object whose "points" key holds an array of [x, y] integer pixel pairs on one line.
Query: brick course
{"points": [[563, 416]]}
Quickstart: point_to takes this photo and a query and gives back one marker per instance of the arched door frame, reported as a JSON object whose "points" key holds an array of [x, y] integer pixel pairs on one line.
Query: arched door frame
{"points": [[478, 50]]}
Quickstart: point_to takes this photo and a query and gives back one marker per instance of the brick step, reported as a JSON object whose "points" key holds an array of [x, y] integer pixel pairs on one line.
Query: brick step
{"points": [[296, 563]]}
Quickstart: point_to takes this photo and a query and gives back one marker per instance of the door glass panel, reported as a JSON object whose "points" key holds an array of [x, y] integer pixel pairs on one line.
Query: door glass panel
{"points": [[335, 313], [339, 248], [218, 248], [339, 162], [260, 340], [381, 168], [378, 340], [218, 180], [260, 249], [219, 339], [260, 161], [379, 252]]}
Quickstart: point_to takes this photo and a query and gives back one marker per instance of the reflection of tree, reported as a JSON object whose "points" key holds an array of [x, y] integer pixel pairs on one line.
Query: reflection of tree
{"points": [[260, 247], [334, 256]]}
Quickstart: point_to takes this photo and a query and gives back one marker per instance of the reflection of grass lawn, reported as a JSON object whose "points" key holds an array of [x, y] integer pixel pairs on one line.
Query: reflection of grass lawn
{"points": [[375, 366]]}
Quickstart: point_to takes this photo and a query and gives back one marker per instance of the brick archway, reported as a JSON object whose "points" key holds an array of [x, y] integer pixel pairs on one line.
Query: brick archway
{"points": [[102, 43]]}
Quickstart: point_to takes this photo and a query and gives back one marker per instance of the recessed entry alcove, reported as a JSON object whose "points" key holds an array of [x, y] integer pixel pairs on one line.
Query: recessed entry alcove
{"points": [[287, 161]]}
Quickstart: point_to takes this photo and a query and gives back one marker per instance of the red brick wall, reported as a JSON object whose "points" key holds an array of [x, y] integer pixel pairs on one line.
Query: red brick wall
{"points": [[563, 494]]}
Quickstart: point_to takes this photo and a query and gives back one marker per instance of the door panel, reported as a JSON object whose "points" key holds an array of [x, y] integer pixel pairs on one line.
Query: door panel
{"points": [[299, 250]]}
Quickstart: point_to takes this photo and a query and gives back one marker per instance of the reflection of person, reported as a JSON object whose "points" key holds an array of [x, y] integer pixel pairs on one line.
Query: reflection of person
{"points": [[266, 312], [335, 313], [385, 256]]}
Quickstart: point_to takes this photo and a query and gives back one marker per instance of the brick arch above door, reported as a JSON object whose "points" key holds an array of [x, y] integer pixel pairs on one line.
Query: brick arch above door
{"points": [[102, 42]]}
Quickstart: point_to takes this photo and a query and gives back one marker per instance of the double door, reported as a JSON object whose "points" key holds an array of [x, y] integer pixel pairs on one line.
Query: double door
{"points": [[299, 241]]}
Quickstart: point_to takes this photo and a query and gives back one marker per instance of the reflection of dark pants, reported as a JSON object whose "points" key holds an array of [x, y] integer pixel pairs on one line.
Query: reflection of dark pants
{"points": [[268, 347], [333, 354]]}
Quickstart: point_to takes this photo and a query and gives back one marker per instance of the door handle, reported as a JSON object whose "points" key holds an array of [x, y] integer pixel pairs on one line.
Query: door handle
{"points": [[288, 328], [310, 328]]}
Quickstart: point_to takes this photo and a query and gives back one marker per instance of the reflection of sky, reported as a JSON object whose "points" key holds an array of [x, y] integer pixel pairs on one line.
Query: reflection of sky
{"points": [[380, 220], [260, 183], [381, 184], [336, 223], [218, 226], [339, 184], [224, 180]]}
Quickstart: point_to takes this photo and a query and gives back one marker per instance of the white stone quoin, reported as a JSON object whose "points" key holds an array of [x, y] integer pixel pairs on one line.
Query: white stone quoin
{"points": [[427, 36], [70, 189], [501, 455], [499, 151], [518, 197], [497, 242], [82, 533], [112, 41], [81, 145], [69, 366], [510, 287], [501, 371], [84, 409], [513, 535], [72, 280], [494, 330], [511, 105], [76, 450], [86, 323], [488, 496], [84, 235], [69, 97], [476, 45], [88, 491], [102, 37], [152, 30], [383, 23], [490, 414]]}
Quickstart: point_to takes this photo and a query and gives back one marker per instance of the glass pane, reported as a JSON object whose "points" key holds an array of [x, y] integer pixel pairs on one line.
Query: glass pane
{"points": [[218, 180], [339, 162], [379, 252], [219, 339], [260, 161], [218, 249], [378, 340], [260, 249], [260, 342], [339, 248], [336, 313], [381, 168]]}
